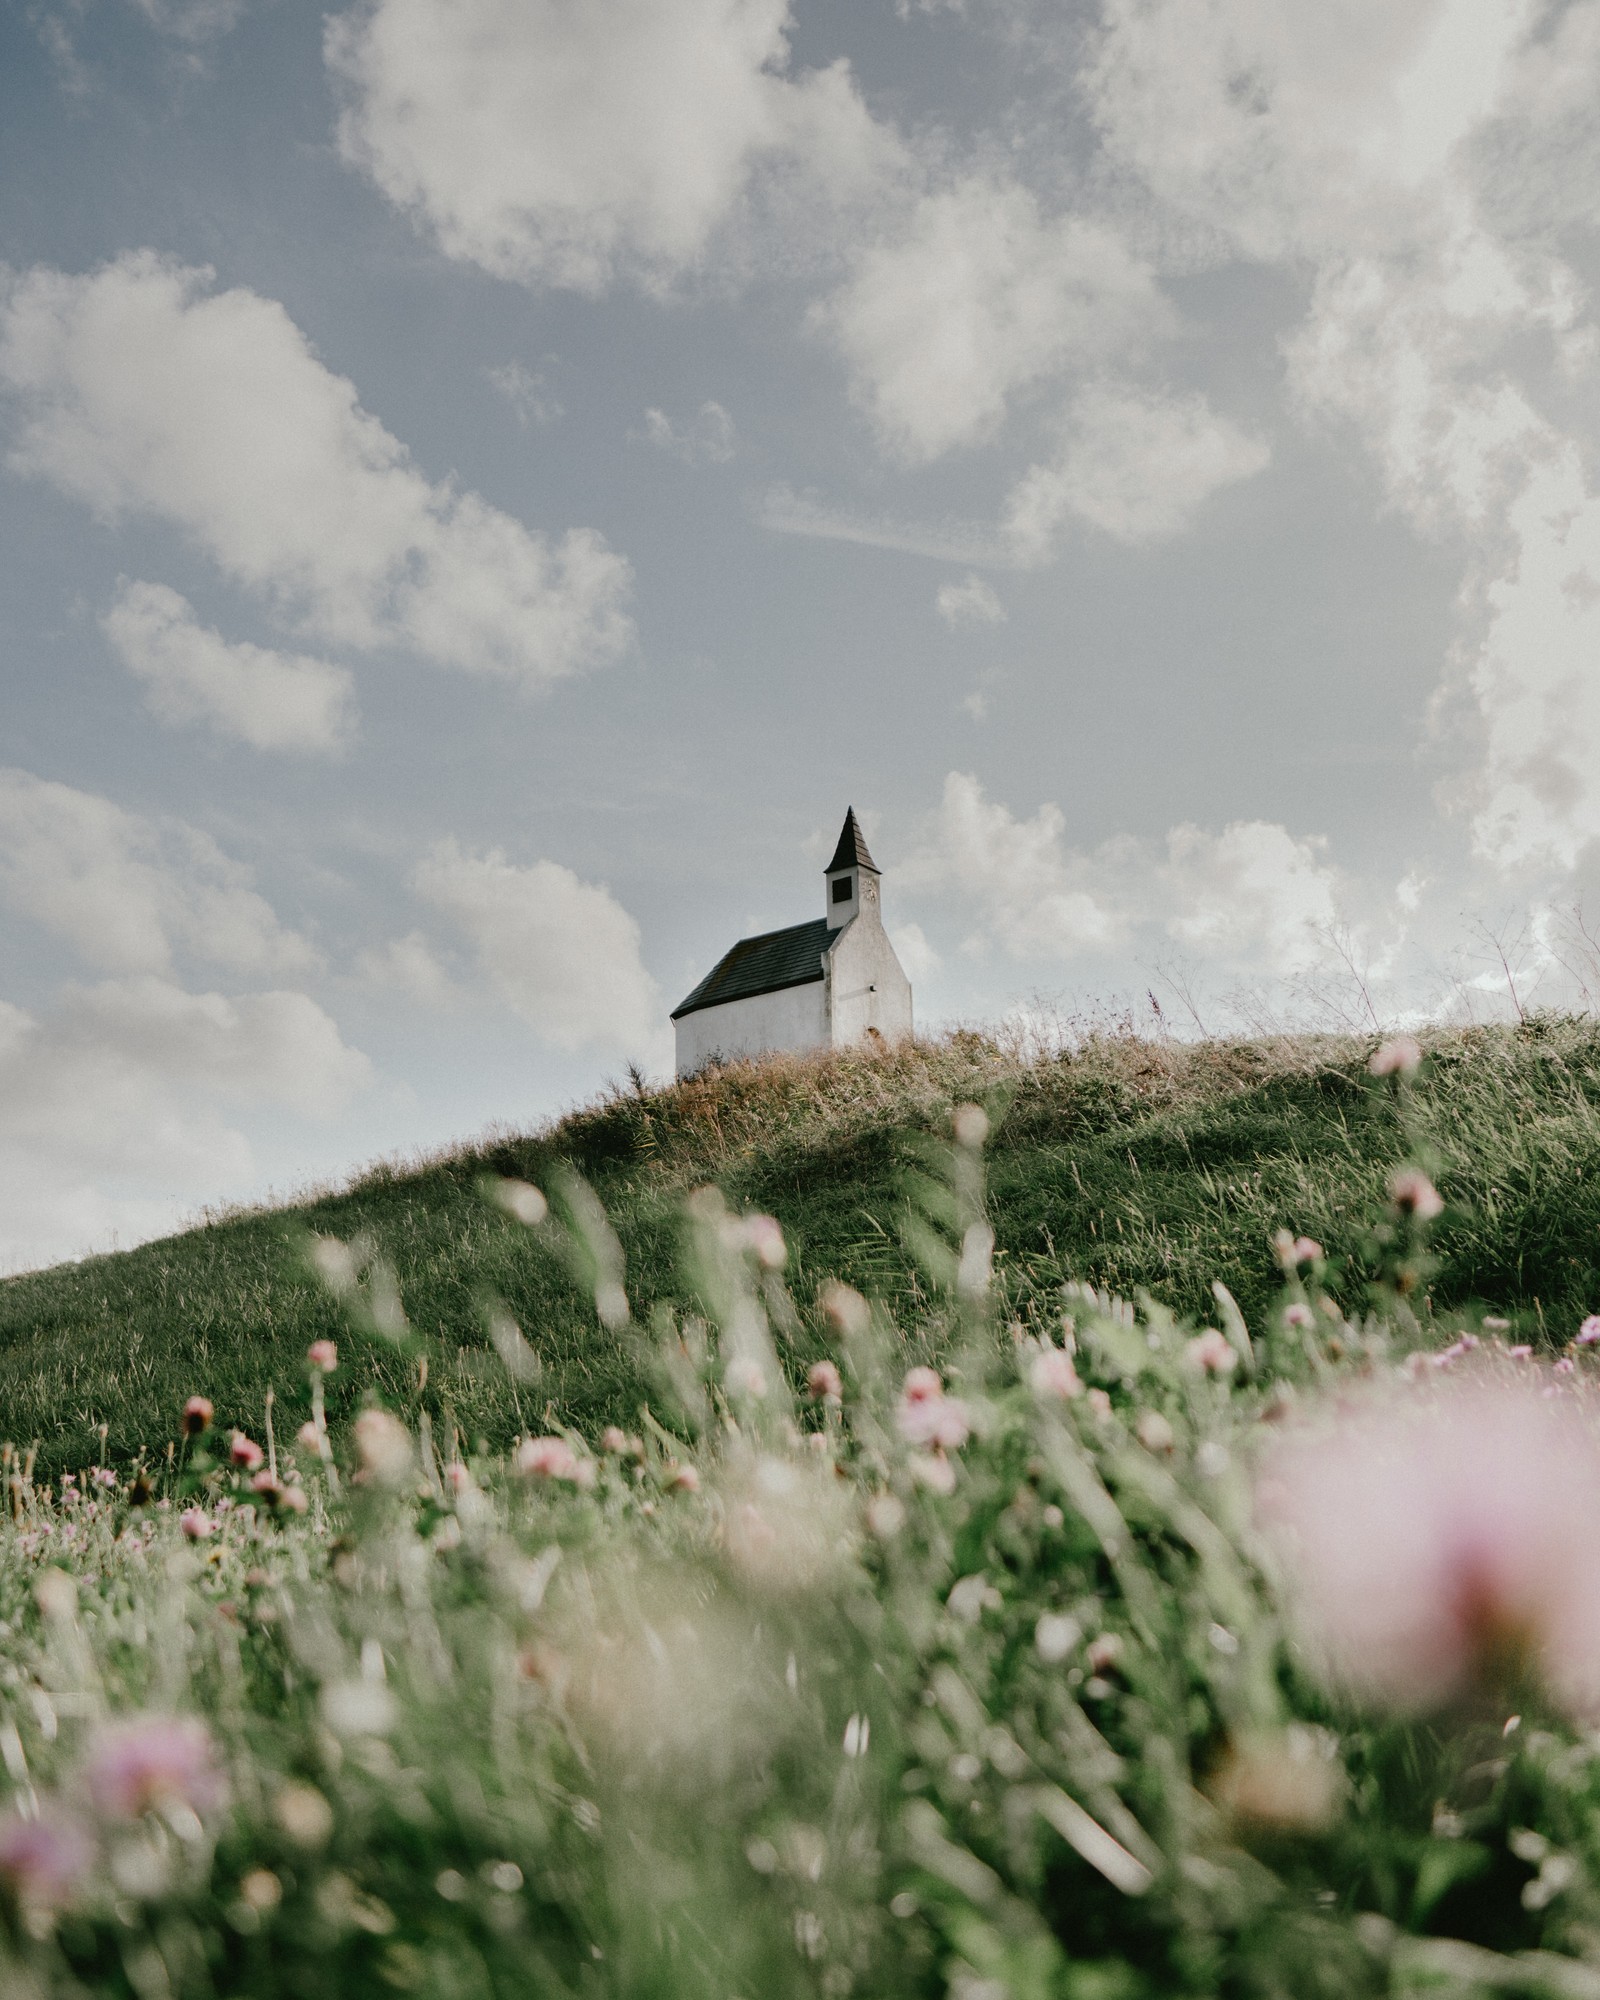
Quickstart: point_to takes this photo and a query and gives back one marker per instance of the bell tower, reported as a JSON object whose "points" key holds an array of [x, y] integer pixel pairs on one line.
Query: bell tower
{"points": [[852, 877]]}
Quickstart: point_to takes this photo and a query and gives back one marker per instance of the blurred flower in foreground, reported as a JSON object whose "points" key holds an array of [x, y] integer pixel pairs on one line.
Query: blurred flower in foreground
{"points": [[383, 1445], [1415, 1195], [553, 1458], [1401, 1056], [153, 1762], [926, 1415], [1051, 1374], [44, 1859], [1441, 1543], [245, 1452], [1210, 1353], [824, 1382], [196, 1415], [195, 1523], [1283, 1780], [323, 1354]]}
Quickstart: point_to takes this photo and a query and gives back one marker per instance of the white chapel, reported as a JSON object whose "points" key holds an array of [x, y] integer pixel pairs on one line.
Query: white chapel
{"points": [[817, 985]]}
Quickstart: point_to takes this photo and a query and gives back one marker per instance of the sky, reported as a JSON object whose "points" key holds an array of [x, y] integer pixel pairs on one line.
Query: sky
{"points": [[484, 484]]}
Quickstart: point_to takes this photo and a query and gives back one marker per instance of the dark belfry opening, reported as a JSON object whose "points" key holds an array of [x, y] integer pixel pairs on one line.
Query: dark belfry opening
{"points": [[841, 889]]}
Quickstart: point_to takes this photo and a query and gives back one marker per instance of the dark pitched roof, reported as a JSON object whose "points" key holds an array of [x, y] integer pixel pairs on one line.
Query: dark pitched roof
{"points": [[763, 964], [852, 849]]}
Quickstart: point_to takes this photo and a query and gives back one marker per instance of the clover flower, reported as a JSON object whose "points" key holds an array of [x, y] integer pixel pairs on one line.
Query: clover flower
{"points": [[323, 1354], [245, 1452], [1052, 1375], [196, 1524], [550, 1458], [927, 1416], [824, 1382], [154, 1762], [1442, 1542], [1415, 1195], [197, 1415], [1210, 1353], [44, 1859], [383, 1445], [1400, 1056]]}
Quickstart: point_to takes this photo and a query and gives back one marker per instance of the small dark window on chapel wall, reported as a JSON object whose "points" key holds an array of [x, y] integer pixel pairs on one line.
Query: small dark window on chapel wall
{"points": [[841, 890]]}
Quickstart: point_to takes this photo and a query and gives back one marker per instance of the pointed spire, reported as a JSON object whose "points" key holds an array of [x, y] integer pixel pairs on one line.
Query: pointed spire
{"points": [[852, 849]]}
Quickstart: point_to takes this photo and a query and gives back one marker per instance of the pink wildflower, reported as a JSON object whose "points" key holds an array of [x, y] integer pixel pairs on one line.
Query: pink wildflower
{"points": [[1052, 1375], [196, 1524], [292, 1499], [308, 1437], [766, 1240], [103, 1476], [1520, 1353], [154, 1761], [845, 1310], [614, 1439], [44, 1859], [268, 1485], [824, 1382], [1103, 1651], [1401, 1056], [1565, 1366], [1437, 1542], [1589, 1332], [457, 1476], [747, 1378], [1298, 1314], [547, 1458], [1415, 1195], [383, 1445], [682, 1479], [197, 1415], [1154, 1432], [245, 1452], [1211, 1353], [1099, 1402], [323, 1354], [927, 1416]]}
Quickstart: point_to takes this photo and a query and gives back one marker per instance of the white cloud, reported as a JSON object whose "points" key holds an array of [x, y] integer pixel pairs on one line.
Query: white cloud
{"points": [[1251, 894], [975, 296], [1250, 899], [1416, 158], [563, 953], [709, 440], [192, 20], [548, 142], [129, 893], [784, 512], [191, 674], [972, 601], [411, 967], [1137, 465], [127, 1085], [1023, 888], [917, 957], [528, 392], [141, 391]]}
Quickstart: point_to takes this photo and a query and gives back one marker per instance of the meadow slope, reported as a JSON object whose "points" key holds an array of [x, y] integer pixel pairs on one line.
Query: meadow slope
{"points": [[1128, 1163]]}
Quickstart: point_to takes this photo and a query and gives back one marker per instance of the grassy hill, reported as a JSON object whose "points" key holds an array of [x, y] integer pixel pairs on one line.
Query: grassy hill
{"points": [[1128, 1163]]}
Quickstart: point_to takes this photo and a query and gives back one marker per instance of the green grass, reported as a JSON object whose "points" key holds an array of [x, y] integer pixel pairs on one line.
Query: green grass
{"points": [[1130, 1164], [793, 1696]]}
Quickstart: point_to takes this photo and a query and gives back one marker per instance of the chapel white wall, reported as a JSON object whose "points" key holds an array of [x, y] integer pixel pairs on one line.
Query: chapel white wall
{"points": [[868, 989], [795, 1017]]}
